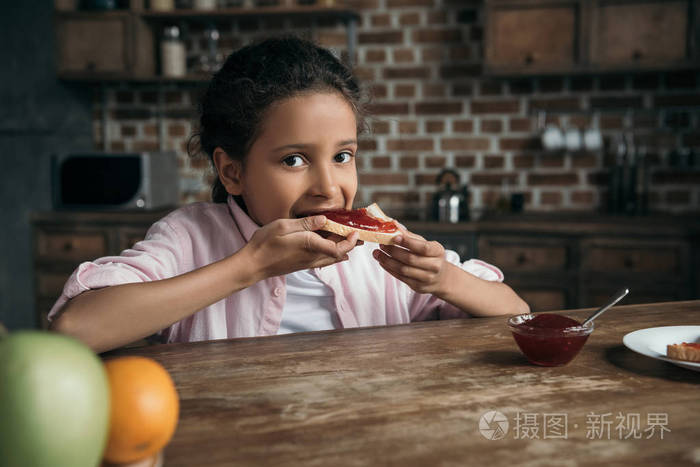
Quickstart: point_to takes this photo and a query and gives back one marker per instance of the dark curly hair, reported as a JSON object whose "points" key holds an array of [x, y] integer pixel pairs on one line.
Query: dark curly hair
{"points": [[253, 78]]}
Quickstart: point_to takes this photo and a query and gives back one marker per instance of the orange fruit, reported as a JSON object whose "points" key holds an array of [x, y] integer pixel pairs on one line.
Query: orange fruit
{"points": [[144, 410]]}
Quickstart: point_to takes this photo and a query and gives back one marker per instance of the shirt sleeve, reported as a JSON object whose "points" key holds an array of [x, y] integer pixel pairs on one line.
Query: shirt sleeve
{"points": [[428, 306], [158, 256]]}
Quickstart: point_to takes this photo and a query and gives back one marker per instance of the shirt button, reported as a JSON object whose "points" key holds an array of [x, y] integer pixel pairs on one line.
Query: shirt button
{"points": [[277, 292]]}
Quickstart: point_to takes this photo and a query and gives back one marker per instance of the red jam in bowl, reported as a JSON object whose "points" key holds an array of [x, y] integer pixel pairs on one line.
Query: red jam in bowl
{"points": [[548, 339]]}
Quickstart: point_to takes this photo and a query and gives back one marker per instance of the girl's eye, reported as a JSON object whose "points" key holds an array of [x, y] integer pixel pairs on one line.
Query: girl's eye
{"points": [[343, 157], [294, 160]]}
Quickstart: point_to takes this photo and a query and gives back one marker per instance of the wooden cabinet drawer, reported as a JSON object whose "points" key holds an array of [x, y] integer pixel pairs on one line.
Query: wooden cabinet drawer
{"points": [[543, 299], [695, 271], [640, 33], [70, 246], [598, 295], [630, 256], [525, 254], [50, 284], [127, 47], [62, 240], [79, 51], [532, 36]]}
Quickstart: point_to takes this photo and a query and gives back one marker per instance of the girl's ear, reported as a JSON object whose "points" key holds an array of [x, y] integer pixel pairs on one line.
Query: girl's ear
{"points": [[229, 170]]}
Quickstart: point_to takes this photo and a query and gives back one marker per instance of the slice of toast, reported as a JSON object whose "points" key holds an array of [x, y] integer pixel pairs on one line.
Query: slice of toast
{"points": [[373, 210], [683, 351]]}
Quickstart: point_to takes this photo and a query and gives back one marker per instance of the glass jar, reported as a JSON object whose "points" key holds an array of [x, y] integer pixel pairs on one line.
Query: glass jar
{"points": [[204, 4], [162, 5], [172, 53]]}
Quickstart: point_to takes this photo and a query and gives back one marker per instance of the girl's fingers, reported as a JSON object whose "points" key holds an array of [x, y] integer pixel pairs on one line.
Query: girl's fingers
{"points": [[419, 245], [290, 226], [314, 223], [327, 261], [335, 237], [317, 244], [407, 257], [410, 282], [407, 233], [329, 247], [400, 270], [348, 244]]}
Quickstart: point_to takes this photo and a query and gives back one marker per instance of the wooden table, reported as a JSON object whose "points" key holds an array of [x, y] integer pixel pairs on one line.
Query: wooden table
{"points": [[415, 394]]}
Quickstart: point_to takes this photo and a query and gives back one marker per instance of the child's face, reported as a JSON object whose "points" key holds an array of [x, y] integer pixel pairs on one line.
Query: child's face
{"points": [[303, 161]]}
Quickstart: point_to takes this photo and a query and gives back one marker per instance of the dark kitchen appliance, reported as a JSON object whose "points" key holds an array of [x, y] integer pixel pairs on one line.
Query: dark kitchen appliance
{"points": [[114, 181]]}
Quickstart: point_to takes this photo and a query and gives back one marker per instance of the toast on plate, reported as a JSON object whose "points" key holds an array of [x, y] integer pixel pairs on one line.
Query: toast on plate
{"points": [[382, 228], [684, 351]]}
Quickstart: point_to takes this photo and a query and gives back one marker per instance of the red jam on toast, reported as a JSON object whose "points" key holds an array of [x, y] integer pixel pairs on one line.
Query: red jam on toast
{"points": [[360, 219]]}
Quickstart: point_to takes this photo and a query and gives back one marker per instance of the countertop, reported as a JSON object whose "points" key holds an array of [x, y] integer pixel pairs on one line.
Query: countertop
{"points": [[424, 394]]}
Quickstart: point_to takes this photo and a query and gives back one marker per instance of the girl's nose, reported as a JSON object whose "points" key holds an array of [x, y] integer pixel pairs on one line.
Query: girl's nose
{"points": [[324, 182]]}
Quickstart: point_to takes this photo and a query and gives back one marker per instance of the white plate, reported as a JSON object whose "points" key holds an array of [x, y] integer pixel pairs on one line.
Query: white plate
{"points": [[652, 342]]}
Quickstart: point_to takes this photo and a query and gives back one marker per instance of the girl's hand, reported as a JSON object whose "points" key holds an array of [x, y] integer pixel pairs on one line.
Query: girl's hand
{"points": [[288, 245], [414, 260]]}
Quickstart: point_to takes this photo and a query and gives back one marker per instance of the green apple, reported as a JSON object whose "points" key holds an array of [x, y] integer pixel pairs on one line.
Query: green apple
{"points": [[54, 401]]}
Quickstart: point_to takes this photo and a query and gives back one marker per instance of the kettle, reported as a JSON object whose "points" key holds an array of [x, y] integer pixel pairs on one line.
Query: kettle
{"points": [[451, 201]]}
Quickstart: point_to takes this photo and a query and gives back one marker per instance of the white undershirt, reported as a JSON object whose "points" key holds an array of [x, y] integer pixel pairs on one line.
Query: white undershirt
{"points": [[309, 305]]}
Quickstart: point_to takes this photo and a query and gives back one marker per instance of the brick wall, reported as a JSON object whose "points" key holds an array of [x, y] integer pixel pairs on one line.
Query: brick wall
{"points": [[432, 106]]}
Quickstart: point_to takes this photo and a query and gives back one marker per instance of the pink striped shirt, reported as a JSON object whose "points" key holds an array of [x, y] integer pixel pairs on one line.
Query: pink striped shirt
{"points": [[201, 233]]}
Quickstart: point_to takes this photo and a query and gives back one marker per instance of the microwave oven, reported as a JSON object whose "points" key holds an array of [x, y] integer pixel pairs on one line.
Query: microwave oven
{"points": [[114, 181]]}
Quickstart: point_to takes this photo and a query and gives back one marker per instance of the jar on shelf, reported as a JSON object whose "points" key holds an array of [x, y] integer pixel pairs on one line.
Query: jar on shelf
{"points": [[204, 4], [208, 61], [162, 5], [172, 53]]}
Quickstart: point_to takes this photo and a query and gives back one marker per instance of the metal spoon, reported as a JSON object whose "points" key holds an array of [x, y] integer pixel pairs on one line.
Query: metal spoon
{"points": [[616, 298]]}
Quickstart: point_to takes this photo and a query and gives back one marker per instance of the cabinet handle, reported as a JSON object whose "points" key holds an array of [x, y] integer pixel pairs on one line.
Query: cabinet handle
{"points": [[637, 55], [529, 59], [521, 259], [68, 246]]}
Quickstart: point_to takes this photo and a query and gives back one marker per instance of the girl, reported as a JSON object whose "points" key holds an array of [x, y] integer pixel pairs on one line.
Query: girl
{"points": [[279, 122]]}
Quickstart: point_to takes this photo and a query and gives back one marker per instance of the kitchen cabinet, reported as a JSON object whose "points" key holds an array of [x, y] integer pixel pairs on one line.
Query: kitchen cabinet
{"points": [[555, 262], [122, 45], [533, 37], [116, 44], [695, 268], [530, 37], [541, 269], [655, 269], [63, 240], [640, 34]]}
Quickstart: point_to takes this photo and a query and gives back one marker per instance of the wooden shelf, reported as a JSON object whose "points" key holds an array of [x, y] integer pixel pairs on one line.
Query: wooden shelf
{"points": [[230, 13], [129, 63], [314, 11], [92, 13], [113, 78]]}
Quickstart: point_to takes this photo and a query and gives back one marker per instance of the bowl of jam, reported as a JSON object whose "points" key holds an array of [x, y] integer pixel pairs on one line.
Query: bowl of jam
{"points": [[549, 339]]}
